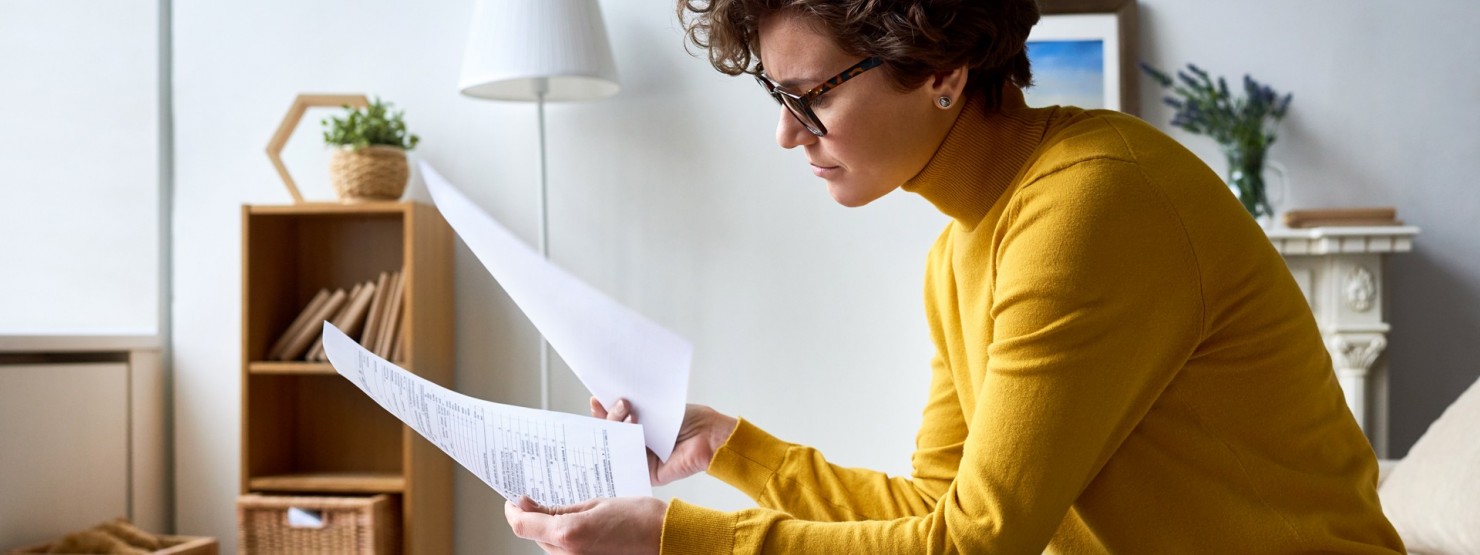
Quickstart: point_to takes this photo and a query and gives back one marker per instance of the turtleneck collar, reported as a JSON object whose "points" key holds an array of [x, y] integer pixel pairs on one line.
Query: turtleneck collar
{"points": [[980, 156]]}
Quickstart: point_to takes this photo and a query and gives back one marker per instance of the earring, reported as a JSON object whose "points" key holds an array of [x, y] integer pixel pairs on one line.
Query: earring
{"points": [[944, 102]]}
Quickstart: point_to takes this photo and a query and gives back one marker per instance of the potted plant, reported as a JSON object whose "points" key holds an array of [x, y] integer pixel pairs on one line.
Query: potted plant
{"points": [[1242, 125], [369, 162]]}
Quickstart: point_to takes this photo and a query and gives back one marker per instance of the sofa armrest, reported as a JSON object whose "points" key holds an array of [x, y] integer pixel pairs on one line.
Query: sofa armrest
{"points": [[1385, 468]]}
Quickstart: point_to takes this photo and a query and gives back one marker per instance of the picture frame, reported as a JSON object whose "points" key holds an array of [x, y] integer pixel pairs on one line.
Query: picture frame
{"points": [[1084, 53]]}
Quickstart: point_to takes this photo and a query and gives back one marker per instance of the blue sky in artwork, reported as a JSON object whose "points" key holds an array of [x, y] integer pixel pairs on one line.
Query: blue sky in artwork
{"points": [[1067, 73]]}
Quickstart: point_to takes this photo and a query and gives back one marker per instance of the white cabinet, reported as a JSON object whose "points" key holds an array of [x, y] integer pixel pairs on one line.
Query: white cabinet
{"points": [[82, 436], [1340, 270], [64, 431]]}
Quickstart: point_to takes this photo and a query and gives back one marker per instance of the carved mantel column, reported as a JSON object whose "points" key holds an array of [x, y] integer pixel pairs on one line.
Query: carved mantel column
{"points": [[1340, 270]]}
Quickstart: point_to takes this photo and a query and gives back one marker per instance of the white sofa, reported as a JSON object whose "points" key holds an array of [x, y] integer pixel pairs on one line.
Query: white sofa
{"points": [[1432, 496]]}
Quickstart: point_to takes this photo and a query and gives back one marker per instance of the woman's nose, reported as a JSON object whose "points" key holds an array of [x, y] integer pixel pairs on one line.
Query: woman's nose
{"points": [[790, 133]]}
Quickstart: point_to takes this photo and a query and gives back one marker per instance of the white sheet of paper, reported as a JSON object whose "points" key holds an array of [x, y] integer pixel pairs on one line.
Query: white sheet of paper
{"points": [[553, 457], [616, 352]]}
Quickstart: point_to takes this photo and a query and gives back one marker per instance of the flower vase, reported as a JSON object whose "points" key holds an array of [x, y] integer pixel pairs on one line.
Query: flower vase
{"points": [[1246, 180]]}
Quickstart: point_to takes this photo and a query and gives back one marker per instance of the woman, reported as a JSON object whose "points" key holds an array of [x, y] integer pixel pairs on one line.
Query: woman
{"points": [[1123, 362]]}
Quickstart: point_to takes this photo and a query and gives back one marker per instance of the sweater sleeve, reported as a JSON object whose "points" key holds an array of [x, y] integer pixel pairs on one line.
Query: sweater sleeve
{"points": [[1096, 304]]}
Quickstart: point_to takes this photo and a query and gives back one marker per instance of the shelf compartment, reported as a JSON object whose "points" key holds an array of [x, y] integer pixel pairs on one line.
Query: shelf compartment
{"points": [[291, 255], [317, 424]]}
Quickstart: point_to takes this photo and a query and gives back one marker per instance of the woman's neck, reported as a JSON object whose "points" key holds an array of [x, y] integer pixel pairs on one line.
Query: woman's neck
{"points": [[980, 156]]}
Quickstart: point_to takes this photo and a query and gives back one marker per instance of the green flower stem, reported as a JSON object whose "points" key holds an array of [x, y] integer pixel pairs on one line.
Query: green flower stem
{"points": [[1246, 177]]}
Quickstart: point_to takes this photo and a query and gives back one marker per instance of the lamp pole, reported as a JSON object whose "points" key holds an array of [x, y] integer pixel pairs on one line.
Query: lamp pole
{"points": [[541, 88], [539, 50]]}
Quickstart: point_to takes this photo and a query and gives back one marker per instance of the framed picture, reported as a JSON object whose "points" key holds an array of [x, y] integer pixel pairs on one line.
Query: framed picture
{"points": [[1084, 54]]}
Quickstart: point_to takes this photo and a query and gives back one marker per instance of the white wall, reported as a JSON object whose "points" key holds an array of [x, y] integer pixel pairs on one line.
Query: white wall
{"points": [[79, 160], [673, 198]]}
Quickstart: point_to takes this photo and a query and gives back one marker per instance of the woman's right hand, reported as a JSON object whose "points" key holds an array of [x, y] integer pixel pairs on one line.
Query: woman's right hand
{"points": [[702, 432]]}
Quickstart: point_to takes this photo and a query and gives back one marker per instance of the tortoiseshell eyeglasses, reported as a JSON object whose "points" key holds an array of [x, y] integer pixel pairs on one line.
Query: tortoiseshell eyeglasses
{"points": [[800, 105]]}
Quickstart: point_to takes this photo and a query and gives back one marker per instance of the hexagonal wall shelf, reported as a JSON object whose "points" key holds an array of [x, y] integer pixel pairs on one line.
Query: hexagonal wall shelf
{"points": [[290, 122]]}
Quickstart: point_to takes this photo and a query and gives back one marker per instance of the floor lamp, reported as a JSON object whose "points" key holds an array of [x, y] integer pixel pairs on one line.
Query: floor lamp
{"points": [[541, 51]]}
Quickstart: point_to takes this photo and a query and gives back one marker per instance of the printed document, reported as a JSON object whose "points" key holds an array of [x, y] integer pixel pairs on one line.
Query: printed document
{"points": [[616, 352], [552, 457]]}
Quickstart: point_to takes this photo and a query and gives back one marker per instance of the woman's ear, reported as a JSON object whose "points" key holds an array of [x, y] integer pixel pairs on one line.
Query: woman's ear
{"points": [[946, 87]]}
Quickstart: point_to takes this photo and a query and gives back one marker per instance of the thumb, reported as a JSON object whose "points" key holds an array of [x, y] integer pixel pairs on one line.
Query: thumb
{"points": [[655, 469]]}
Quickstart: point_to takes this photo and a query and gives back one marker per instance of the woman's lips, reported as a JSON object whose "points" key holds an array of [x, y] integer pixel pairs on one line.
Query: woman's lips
{"points": [[826, 172]]}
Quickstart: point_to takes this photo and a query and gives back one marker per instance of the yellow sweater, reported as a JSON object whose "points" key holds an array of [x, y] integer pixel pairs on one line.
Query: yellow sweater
{"points": [[1123, 364]]}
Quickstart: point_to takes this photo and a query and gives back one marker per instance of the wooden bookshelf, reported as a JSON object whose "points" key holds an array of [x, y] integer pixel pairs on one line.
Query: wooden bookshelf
{"points": [[307, 430]]}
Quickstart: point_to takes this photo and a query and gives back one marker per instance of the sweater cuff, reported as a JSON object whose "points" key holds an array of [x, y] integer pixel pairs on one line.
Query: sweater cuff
{"points": [[691, 529], [748, 459]]}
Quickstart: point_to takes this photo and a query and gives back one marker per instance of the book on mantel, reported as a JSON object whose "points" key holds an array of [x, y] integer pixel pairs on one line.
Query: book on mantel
{"points": [[1342, 217]]}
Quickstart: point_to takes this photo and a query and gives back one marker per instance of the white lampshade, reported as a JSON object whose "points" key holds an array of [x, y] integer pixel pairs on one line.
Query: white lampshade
{"points": [[514, 44]]}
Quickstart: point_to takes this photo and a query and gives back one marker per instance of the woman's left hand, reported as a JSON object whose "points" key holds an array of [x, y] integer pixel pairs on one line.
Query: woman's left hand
{"points": [[616, 525]]}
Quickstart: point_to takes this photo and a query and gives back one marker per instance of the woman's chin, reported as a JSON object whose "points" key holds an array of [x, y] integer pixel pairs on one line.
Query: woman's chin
{"points": [[852, 196]]}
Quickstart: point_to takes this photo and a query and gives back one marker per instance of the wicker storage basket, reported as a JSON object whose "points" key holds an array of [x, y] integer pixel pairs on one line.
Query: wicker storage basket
{"points": [[350, 525], [370, 173]]}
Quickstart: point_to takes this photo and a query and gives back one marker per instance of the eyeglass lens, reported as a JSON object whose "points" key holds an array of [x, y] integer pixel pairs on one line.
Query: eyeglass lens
{"points": [[796, 106]]}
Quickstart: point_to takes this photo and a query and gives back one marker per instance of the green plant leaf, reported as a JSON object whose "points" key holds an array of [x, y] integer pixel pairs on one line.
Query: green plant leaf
{"points": [[373, 125]]}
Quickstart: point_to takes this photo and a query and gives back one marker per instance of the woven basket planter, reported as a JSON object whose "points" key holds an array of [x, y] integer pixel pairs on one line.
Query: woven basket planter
{"points": [[370, 173]]}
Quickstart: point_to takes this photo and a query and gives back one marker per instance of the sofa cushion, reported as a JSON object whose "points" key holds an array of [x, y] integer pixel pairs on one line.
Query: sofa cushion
{"points": [[1433, 496]]}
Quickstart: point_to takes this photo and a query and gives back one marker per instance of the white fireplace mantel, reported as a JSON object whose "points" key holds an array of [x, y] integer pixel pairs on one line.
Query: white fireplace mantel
{"points": [[1340, 270]]}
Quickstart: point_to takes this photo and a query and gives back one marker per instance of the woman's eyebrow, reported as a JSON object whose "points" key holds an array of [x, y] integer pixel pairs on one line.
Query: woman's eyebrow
{"points": [[798, 84], [793, 83]]}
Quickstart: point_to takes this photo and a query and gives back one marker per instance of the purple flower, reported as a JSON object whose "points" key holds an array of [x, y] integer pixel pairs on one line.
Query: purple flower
{"points": [[1206, 106]]}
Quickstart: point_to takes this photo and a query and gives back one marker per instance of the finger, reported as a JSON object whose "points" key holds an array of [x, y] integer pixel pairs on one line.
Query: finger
{"points": [[525, 503], [620, 411], [575, 507], [596, 409], [653, 466], [531, 525]]}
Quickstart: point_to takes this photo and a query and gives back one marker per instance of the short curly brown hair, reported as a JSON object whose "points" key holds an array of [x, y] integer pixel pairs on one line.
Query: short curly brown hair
{"points": [[914, 38]]}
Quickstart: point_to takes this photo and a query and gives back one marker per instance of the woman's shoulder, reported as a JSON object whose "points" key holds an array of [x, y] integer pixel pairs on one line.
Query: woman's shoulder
{"points": [[1095, 143], [1074, 136]]}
